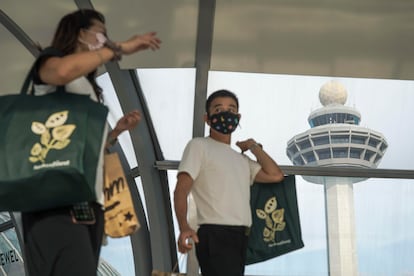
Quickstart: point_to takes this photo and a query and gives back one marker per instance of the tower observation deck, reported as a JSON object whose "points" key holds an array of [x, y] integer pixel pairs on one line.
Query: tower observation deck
{"points": [[335, 137]]}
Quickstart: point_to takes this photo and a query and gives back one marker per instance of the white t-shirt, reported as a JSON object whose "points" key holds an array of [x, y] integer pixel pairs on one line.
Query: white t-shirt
{"points": [[222, 179], [81, 86]]}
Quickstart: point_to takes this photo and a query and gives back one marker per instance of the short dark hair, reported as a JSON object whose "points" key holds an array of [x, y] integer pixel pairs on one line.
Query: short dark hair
{"points": [[223, 93]]}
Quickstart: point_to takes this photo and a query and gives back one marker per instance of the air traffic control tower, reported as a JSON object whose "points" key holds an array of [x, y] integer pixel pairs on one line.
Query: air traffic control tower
{"points": [[336, 139]]}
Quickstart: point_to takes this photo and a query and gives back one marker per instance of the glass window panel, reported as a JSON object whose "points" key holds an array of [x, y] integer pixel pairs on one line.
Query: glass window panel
{"points": [[339, 118], [174, 97], [309, 156], [384, 240], [368, 155], [324, 154], [117, 254], [4, 217], [320, 140], [373, 142], [351, 119], [12, 238], [11, 259], [170, 102], [340, 152], [358, 139], [275, 109], [292, 149], [182, 258], [355, 153], [340, 139], [115, 113], [304, 144], [265, 132], [320, 120], [299, 161]]}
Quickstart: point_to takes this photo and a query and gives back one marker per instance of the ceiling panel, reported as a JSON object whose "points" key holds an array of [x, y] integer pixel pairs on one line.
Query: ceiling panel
{"points": [[369, 39], [38, 20], [16, 61], [348, 38], [175, 21]]}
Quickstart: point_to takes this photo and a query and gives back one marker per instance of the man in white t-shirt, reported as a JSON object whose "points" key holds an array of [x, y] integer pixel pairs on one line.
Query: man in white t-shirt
{"points": [[219, 179]]}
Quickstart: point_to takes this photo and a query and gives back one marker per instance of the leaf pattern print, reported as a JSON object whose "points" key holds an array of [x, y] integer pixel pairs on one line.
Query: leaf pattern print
{"points": [[273, 219], [54, 134]]}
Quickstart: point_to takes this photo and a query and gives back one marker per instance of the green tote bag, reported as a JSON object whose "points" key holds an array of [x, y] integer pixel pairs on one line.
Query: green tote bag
{"points": [[50, 147], [49, 150], [276, 226]]}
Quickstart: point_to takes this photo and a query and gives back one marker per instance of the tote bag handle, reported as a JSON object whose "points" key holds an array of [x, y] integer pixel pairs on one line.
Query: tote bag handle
{"points": [[49, 51]]}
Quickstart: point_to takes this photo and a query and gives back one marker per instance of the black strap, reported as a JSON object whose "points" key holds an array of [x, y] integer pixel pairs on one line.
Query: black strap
{"points": [[27, 81], [49, 51]]}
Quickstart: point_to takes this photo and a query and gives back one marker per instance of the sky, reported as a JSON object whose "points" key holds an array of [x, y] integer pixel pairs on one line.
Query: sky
{"points": [[275, 108]]}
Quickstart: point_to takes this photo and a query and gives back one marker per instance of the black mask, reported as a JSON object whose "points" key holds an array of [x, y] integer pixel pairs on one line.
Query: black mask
{"points": [[224, 122]]}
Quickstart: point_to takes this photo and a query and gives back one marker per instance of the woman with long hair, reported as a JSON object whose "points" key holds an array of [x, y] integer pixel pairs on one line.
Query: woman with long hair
{"points": [[67, 240]]}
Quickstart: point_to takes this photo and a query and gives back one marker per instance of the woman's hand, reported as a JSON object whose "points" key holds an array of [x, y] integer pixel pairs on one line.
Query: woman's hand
{"points": [[140, 42], [128, 121]]}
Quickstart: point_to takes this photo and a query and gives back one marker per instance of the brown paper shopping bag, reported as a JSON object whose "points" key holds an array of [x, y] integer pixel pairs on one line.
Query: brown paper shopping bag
{"points": [[120, 217]]}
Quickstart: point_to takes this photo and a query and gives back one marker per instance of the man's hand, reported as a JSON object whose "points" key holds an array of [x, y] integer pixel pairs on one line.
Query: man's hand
{"points": [[186, 239], [246, 144]]}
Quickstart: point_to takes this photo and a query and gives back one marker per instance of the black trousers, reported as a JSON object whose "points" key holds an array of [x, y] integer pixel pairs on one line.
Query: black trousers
{"points": [[221, 250], [54, 245]]}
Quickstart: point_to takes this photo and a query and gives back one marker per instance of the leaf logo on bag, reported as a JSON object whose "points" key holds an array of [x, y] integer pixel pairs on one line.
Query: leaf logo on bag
{"points": [[273, 218], [54, 134]]}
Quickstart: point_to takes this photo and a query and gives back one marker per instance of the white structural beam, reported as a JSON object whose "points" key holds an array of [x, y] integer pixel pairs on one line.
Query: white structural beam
{"points": [[340, 223]]}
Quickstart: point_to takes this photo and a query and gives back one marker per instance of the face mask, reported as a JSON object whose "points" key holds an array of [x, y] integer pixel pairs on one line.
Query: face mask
{"points": [[224, 122], [101, 38]]}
